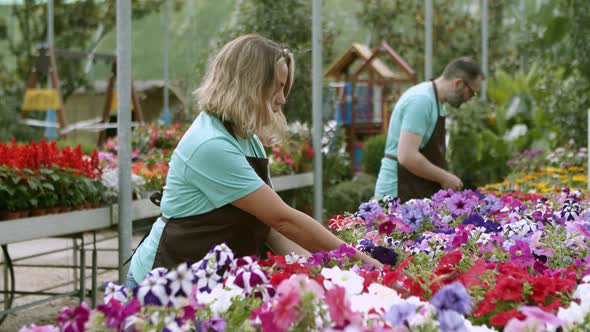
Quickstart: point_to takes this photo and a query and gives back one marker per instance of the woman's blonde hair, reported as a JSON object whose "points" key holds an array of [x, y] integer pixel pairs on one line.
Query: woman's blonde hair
{"points": [[240, 83]]}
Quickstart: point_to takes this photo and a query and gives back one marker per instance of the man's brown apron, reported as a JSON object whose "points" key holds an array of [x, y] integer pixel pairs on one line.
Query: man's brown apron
{"points": [[410, 185], [188, 239]]}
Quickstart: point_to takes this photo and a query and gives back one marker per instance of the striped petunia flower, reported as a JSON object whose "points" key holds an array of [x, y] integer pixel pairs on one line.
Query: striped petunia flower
{"points": [[223, 255], [114, 291], [207, 278], [153, 290], [180, 280], [250, 277]]}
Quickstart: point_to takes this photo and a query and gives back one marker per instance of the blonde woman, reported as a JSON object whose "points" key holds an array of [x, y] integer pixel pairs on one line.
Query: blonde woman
{"points": [[218, 189]]}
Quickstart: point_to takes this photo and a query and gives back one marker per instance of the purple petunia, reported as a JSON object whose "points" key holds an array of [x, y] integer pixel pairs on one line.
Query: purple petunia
{"points": [[385, 255], [318, 258], [215, 324], [454, 297], [343, 252], [441, 196], [400, 313], [370, 212], [461, 203], [412, 216], [365, 245], [451, 321], [478, 221], [490, 204]]}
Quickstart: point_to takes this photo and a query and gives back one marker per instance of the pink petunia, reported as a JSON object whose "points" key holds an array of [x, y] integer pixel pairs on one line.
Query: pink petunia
{"points": [[285, 311], [521, 253], [339, 308], [541, 315]]}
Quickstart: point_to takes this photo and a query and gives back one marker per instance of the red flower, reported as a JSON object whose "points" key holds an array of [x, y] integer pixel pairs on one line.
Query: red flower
{"points": [[473, 276], [278, 277], [370, 277], [386, 228], [509, 289], [502, 318], [308, 153]]}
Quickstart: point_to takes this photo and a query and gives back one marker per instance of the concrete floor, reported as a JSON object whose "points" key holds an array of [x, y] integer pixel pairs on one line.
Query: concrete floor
{"points": [[36, 278]]}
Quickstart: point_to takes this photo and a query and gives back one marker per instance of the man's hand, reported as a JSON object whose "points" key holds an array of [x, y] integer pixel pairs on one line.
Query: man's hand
{"points": [[451, 181]]}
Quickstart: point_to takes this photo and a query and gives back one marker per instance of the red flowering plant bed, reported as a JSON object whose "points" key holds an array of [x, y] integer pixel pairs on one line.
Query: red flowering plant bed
{"points": [[40, 178]]}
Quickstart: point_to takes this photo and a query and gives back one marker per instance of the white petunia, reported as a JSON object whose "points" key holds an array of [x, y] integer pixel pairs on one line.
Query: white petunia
{"points": [[477, 328], [352, 282], [219, 300], [572, 315], [583, 293]]}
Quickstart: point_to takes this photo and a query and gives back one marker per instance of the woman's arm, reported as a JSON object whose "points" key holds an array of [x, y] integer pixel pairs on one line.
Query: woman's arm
{"points": [[280, 245], [298, 227]]}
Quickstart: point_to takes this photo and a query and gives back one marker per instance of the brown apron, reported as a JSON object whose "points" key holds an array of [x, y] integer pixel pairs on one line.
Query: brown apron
{"points": [[188, 239], [410, 185]]}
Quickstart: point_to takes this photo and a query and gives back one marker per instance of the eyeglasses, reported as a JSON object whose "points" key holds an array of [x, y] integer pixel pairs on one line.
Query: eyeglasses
{"points": [[473, 93]]}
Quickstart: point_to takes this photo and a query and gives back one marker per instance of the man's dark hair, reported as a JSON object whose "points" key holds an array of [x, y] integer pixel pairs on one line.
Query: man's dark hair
{"points": [[465, 68]]}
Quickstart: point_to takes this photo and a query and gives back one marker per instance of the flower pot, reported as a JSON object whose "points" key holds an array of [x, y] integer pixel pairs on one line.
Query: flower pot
{"points": [[53, 210], [65, 209], [38, 212], [306, 168], [9, 215]]}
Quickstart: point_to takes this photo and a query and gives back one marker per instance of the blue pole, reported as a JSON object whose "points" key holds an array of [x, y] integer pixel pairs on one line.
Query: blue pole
{"points": [[50, 132]]}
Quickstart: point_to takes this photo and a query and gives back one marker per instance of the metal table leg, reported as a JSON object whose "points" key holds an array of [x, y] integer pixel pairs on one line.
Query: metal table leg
{"points": [[82, 270], [75, 259], [8, 294], [94, 264]]}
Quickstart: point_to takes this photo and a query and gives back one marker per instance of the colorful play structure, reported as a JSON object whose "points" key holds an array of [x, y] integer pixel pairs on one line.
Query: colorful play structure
{"points": [[50, 99], [367, 82]]}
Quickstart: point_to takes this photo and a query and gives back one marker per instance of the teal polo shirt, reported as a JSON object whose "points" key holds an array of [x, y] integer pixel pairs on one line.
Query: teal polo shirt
{"points": [[208, 170], [414, 112]]}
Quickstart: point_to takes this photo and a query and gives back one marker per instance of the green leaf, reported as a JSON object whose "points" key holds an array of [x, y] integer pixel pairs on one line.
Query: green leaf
{"points": [[34, 202], [557, 29], [47, 185], [32, 184]]}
